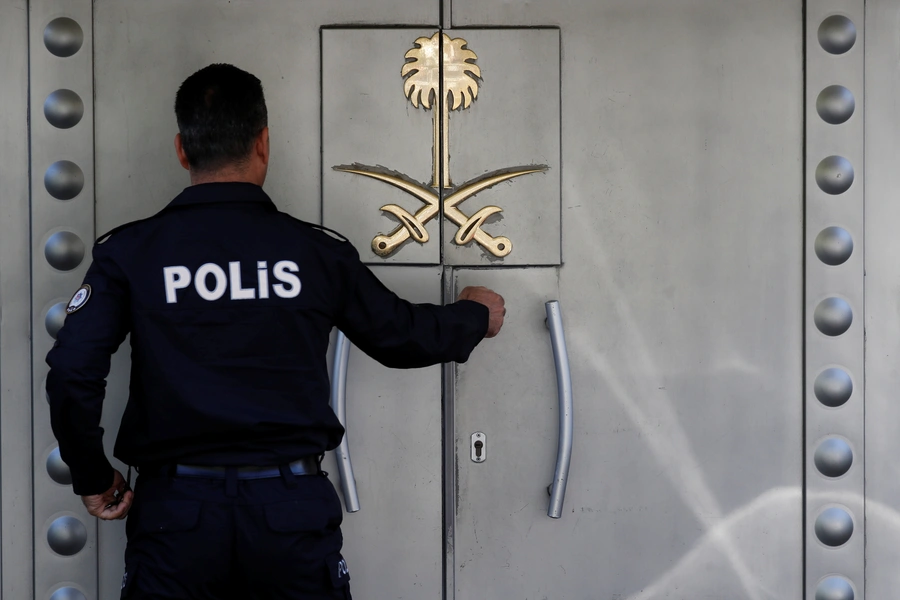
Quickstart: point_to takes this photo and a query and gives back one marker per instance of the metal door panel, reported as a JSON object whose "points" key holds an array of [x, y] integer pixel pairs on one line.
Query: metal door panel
{"points": [[503, 539], [393, 545], [143, 51], [682, 290], [513, 123], [367, 121]]}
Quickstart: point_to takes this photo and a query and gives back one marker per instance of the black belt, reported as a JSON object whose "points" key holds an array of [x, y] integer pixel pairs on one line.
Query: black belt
{"points": [[304, 466]]}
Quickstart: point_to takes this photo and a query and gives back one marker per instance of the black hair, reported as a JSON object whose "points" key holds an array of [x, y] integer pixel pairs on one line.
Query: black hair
{"points": [[220, 110]]}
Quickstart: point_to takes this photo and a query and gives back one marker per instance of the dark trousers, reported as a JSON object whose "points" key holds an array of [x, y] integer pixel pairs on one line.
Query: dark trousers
{"points": [[208, 539]]}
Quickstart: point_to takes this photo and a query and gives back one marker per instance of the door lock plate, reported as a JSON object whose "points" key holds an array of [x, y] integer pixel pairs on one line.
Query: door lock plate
{"points": [[478, 448]]}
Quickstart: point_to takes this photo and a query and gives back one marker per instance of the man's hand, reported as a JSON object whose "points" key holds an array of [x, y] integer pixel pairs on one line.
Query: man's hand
{"points": [[112, 504], [492, 300]]}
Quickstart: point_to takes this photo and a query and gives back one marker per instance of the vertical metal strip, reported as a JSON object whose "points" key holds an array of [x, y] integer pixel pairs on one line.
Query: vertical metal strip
{"points": [[448, 381], [441, 138], [834, 395], [62, 233], [446, 14], [15, 307]]}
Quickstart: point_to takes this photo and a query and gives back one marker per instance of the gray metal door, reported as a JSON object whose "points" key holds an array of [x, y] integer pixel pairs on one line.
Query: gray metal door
{"points": [[686, 177], [681, 289], [103, 80]]}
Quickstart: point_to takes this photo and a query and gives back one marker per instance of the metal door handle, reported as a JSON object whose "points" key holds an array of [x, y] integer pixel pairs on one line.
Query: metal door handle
{"points": [[339, 406], [566, 424]]}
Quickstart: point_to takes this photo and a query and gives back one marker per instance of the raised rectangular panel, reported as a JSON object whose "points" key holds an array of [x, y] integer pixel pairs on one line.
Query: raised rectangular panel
{"points": [[16, 471], [506, 546], [393, 544], [62, 234], [512, 126], [368, 124], [835, 306]]}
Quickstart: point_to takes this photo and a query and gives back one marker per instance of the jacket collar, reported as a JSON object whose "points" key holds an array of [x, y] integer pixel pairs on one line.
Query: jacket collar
{"points": [[217, 193]]}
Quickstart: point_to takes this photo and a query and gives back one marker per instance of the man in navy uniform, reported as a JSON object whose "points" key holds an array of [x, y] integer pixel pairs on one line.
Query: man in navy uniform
{"points": [[230, 304]]}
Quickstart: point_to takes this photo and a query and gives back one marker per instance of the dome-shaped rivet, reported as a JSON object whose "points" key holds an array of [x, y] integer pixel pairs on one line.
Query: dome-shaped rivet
{"points": [[67, 536], [833, 316], [67, 593], [63, 109], [55, 319], [63, 37], [57, 469], [64, 250], [835, 587], [834, 526], [837, 34], [834, 175], [834, 245], [833, 457], [835, 104], [64, 180], [833, 387]]}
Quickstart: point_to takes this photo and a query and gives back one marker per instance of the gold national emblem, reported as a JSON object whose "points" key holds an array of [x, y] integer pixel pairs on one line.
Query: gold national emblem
{"points": [[434, 64]]}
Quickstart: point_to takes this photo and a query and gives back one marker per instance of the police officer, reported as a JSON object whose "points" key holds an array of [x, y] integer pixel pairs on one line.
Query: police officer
{"points": [[230, 304]]}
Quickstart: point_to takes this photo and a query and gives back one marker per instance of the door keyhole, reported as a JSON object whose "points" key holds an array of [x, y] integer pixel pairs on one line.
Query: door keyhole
{"points": [[478, 450]]}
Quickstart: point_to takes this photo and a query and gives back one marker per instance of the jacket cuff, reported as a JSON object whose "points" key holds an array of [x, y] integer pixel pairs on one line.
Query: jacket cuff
{"points": [[483, 314], [92, 477]]}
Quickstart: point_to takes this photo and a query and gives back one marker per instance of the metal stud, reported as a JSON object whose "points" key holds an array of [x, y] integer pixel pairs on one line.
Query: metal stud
{"points": [[64, 180], [834, 245], [55, 319], [835, 587], [833, 387], [837, 34], [58, 469], [63, 37], [834, 526], [833, 457], [64, 250], [67, 593], [67, 536], [834, 175], [835, 104], [833, 316], [63, 109]]}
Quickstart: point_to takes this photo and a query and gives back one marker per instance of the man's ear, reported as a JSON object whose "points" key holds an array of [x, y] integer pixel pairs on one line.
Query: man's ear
{"points": [[262, 146], [179, 150]]}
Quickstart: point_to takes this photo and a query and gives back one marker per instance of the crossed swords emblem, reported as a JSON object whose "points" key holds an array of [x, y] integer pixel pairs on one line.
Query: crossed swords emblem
{"points": [[434, 64]]}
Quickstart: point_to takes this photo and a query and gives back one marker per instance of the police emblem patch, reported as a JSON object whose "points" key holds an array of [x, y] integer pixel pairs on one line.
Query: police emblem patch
{"points": [[79, 299]]}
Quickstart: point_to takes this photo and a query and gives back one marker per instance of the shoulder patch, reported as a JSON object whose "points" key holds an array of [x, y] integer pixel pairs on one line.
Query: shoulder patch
{"points": [[79, 299]]}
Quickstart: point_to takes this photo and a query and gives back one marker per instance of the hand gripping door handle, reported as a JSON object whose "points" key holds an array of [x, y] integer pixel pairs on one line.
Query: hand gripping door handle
{"points": [[339, 406], [566, 424]]}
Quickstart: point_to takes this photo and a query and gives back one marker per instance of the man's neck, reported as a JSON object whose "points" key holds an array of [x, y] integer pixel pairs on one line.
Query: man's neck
{"points": [[224, 176]]}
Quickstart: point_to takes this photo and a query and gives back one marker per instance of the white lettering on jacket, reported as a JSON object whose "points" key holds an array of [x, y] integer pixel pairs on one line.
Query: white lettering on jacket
{"points": [[211, 281]]}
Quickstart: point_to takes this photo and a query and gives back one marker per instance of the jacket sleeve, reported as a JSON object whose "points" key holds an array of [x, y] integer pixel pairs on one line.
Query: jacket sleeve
{"points": [[403, 335], [79, 363]]}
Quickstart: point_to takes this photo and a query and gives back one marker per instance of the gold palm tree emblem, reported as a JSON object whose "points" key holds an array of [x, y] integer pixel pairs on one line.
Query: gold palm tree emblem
{"points": [[440, 75], [423, 83]]}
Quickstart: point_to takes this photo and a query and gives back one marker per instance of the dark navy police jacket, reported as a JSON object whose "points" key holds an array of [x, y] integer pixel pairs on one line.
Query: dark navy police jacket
{"points": [[230, 304]]}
